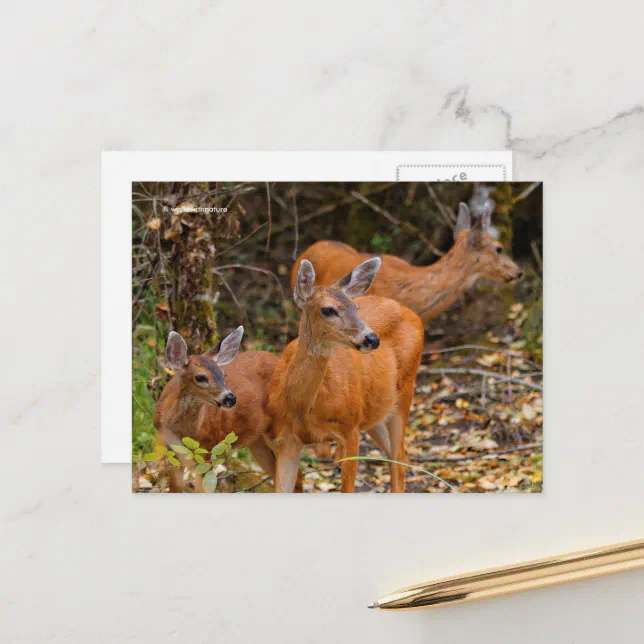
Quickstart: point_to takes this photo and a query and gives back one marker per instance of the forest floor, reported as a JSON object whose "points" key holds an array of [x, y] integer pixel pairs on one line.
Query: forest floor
{"points": [[468, 425], [475, 423]]}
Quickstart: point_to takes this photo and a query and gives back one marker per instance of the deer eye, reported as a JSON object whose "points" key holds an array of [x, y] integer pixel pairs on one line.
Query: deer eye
{"points": [[201, 378], [499, 250], [327, 311]]}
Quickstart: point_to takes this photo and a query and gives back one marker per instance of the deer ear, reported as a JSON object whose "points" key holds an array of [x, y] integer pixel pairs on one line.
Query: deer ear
{"points": [[229, 347], [176, 351], [304, 285], [358, 281], [463, 221], [486, 217]]}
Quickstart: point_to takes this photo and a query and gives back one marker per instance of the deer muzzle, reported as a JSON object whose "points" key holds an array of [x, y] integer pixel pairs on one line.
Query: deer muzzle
{"points": [[370, 343], [229, 400]]}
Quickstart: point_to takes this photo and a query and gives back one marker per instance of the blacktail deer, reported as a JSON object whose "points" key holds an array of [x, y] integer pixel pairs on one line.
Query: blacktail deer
{"points": [[426, 290], [205, 403], [352, 369]]}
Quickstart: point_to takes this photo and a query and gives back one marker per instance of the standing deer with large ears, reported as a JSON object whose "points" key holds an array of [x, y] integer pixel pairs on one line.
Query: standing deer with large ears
{"points": [[210, 396], [352, 369], [426, 290]]}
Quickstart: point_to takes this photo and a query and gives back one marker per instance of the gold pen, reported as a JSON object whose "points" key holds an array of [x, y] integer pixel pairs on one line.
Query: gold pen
{"points": [[549, 571]]}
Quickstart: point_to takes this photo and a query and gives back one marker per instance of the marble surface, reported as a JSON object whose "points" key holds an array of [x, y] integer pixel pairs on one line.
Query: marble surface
{"points": [[560, 84]]}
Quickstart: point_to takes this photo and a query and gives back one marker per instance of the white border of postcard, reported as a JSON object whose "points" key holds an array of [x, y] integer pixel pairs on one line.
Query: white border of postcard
{"points": [[120, 169]]}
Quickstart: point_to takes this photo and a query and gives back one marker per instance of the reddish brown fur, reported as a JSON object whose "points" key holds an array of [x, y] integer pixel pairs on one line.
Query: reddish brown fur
{"points": [[179, 413], [321, 392], [426, 290]]}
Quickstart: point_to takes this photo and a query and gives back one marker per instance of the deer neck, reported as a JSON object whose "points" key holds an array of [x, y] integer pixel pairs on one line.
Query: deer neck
{"points": [[430, 290], [306, 372], [180, 414]]}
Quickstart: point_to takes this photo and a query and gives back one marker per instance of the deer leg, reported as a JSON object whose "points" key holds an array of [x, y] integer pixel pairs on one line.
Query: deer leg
{"points": [[266, 444], [380, 435], [264, 456], [175, 480], [339, 451], [288, 463], [350, 468], [398, 451]]}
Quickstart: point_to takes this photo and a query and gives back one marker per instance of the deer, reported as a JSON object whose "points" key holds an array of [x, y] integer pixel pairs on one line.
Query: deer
{"points": [[205, 403], [352, 369], [426, 290]]}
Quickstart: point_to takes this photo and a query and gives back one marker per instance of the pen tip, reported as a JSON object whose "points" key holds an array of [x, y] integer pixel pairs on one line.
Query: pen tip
{"points": [[374, 605]]}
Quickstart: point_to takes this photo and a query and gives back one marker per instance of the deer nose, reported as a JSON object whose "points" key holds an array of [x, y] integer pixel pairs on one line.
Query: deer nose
{"points": [[230, 400], [371, 341], [520, 275]]}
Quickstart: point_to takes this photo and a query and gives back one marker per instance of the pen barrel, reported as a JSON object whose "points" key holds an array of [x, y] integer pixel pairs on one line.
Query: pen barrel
{"points": [[517, 578]]}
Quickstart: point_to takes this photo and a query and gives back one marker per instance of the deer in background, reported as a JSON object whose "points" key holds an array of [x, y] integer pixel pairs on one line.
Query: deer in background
{"points": [[204, 403], [426, 290], [352, 369]]}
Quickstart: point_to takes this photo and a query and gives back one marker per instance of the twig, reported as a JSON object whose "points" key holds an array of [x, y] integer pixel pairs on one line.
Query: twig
{"points": [[265, 271], [297, 225], [488, 374], [252, 487], [322, 210], [162, 265], [397, 222], [453, 459], [456, 459], [270, 218], [537, 254], [526, 192], [145, 411], [253, 268], [241, 241], [230, 290], [447, 214], [480, 347]]}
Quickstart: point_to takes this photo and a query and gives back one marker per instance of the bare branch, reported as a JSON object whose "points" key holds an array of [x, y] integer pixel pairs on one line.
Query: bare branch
{"points": [[480, 347], [270, 218], [162, 266], [230, 290], [297, 225], [527, 191], [397, 222], [265, 271], [456, 459], [252, 487], [537, 254], [241, 241], [447, 213], [487, 374]]}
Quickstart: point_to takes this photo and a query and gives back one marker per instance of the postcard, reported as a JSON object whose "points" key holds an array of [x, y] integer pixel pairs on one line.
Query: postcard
{"points": [[336, 336], [120, 169]]}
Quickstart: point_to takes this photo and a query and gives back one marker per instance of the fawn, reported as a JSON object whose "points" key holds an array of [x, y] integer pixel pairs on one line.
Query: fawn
{"points": [[426, 290], [198, 402], [352, 369]]}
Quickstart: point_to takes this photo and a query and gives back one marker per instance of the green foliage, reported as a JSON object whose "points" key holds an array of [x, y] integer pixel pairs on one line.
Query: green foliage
{"points": [[210, 481], [192, 450], [382, 244], [190, 443], [532, 322], [172, 258], [261, 343]]}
